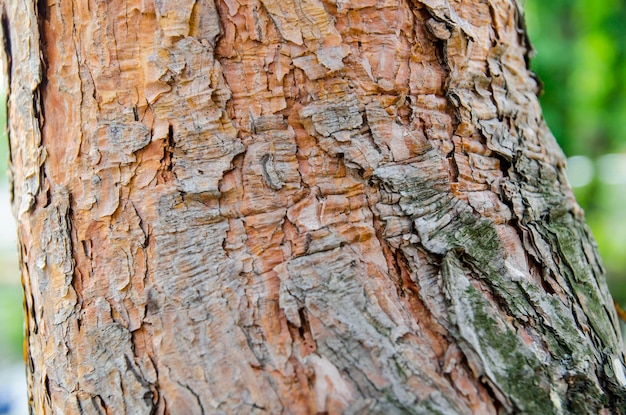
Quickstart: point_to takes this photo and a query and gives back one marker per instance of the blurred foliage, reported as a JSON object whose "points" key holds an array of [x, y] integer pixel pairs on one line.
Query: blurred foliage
{"points": [[10, 289], [581, 59], [11, 336]]}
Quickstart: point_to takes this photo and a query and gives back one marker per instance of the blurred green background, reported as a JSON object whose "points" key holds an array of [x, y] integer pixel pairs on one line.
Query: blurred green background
{"points": [[10, 288], [581, 58]]}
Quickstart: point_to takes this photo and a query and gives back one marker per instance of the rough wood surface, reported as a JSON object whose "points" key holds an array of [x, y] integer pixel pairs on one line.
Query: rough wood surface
{"points": [[294, 207]]}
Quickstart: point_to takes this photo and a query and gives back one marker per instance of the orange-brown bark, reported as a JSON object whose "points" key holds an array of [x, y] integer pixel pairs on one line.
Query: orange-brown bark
{"points": [[263, 206]]}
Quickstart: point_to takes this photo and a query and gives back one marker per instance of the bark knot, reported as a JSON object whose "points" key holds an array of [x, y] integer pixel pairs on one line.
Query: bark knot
{"points": [[273, 177]]}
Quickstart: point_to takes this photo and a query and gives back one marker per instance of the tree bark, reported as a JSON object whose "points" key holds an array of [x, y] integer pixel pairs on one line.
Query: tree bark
{"points": [[294, 207]]}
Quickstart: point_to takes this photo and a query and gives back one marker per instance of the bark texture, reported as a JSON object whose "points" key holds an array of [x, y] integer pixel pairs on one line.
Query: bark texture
{"points": [[294, 207]]}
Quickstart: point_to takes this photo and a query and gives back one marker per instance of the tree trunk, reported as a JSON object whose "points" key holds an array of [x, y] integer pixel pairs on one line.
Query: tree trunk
{"points": [[297, 207]]}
